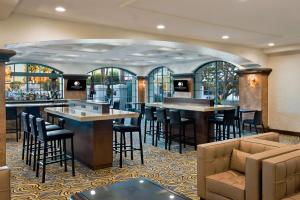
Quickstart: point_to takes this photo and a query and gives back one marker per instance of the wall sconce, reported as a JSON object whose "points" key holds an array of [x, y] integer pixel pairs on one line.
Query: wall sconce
{"points": [[144, 83], [252, 80]]}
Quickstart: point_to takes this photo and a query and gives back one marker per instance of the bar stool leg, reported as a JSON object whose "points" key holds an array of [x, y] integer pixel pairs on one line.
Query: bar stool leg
{"points": [[170, 137], [121, 148], [234, 134], [153, 132], [65, 155], [30, 149], [141, 148], [180, 142], [166, 135], [60, 152], [38, 159], [116, 137], [184, 145], [124, 143], [23, 146], [27, 147], [72, 151], [145, 131], [44, 161], [131, 146], [34, 152]]}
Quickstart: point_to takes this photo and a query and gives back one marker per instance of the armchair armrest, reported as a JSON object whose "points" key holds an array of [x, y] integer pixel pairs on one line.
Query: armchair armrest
{"points": [[254, 170], [213, 158], [4, 183]]}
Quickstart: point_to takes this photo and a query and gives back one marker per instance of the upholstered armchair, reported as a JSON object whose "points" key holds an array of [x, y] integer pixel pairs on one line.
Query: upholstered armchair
{"points": [[281, 177], [4, 183], [231, 169], [271, 136]]}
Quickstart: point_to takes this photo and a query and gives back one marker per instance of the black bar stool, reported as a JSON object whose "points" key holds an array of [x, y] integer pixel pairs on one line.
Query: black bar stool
{"points": [[12, 114], [150, 117], [33, 139], [256, 121], [177, 120], [237, 119], [116, 105], [52, 136], [135, 126], [26, 132], [163, 120], [225, 122]]}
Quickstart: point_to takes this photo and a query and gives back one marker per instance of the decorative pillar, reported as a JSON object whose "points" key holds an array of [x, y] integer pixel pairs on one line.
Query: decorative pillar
{"points": [[71, 94], [253, 90], [5, 55], [141, 89]]}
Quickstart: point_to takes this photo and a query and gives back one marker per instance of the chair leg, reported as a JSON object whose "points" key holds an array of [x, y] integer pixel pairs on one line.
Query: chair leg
{"points": [[157, 133], [17, 131], [121, 148], [65, 155], [145, 131], [115, 132], [234, 134], [239, 124], [131, 146], [60, 152], [228, 131], [166, 135], [180, 142], [250, 127], [124, 145], [23, 146], [170, 137], [183, 134], [27, 148], [141, 148], [38, 159], [30, 149], [72, 151], [153, 132], [255, 126], [44, 161], [223, 132]]}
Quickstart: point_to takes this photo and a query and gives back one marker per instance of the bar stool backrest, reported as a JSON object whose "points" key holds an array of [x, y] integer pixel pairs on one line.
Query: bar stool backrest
{"points": [[32, 121], [149, 113], [175, 117], [258, 117], [116, 105], [161, 114], [237, 111], [229, 117], [11, 113], [25, 121], [33, 110], [136, 121], [41, 127]]}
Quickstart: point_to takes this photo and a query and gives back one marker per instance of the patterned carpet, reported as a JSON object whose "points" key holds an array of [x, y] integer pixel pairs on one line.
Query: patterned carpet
{"points": [[175, 171]]}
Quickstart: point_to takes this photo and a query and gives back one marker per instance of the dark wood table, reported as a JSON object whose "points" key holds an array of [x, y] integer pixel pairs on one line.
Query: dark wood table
{"points": [[133, 189]]}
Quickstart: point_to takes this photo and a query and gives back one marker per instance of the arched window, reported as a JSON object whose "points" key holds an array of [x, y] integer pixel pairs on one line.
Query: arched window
{"points": [[32, 81], [160, 84], [113, 84], [217, 80]]}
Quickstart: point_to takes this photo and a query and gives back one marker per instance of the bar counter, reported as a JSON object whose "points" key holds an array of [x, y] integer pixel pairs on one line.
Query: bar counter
{"points": [[93, 134], [197, 109]]}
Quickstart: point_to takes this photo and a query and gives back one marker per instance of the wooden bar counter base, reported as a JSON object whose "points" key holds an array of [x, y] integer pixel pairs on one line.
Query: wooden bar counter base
{"points": [[93, 134]]}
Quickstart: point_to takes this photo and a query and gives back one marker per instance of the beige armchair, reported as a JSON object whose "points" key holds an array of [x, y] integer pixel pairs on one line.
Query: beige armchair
{"points": [[271, 136], [281, 177], [220, 177], [4, 183]]}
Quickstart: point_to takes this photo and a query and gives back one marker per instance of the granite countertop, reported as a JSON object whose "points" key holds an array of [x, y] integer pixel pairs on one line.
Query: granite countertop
{"points": [[191, 107], [85, 115]]}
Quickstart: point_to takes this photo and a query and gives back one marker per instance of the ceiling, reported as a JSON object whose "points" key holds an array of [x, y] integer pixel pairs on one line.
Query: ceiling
{"points": [[253, 23], [123, 52]]}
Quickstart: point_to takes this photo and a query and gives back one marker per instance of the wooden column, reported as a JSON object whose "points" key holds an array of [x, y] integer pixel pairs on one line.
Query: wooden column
{"points": [[141, 88], [74, 94], [253, 90], [5, 55]]}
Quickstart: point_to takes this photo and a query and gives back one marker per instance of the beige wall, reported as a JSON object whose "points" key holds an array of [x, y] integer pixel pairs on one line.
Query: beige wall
{"points": [[284, 92]]}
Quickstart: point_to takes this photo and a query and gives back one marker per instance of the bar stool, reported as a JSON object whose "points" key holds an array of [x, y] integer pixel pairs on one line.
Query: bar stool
{"points": [[33, 139], [163, 120], [237, 119], [149, 116], [177, 120], [226, 122], [26, 132], [135, 126], [52, 136], [256, 121], [12, 114], [116, 105]]}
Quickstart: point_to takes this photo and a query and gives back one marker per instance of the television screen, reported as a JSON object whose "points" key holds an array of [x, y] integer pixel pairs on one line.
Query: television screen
{"points": [[76, 85], [181, 86]]}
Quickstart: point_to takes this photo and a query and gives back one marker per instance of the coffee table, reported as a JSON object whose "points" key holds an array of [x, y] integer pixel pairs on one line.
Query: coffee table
{"points": [[132, 189]]}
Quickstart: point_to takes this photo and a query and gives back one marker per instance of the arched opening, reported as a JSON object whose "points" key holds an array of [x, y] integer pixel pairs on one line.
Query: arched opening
{"points": [[24, 81], [217, 80], [112, 83], [160, 84]]}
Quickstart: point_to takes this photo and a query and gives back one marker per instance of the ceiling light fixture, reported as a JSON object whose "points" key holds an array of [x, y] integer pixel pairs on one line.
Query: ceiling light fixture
{"points": [[271, 44], [160, 26], [225, 37], [60, 9]]}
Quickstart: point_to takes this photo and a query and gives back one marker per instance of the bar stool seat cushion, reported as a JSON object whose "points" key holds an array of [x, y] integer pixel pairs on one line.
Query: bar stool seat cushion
{"points": [[52, 127], [47, 123], [125, 128], [59, 134]]}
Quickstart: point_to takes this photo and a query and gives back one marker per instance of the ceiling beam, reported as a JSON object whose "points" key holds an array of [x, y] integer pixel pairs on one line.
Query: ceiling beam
{"points": [[7, 7]]}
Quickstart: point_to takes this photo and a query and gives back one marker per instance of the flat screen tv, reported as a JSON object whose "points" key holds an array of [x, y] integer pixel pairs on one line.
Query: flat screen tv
{"points": [[76, 85], [181, 86]]}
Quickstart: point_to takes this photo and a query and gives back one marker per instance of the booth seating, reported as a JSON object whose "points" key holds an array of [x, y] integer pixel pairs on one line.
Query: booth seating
{"points": [[4, 183], [281, 177], [232, 169]]}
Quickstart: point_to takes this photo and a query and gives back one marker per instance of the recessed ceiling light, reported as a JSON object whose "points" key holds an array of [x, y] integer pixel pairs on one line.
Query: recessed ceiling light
{"points": [[225, 37], [271, 44], [160, 26], [60, 9]]}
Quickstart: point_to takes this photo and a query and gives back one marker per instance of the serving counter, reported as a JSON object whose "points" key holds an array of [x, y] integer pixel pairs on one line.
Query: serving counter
{"points": [[93, 136]]}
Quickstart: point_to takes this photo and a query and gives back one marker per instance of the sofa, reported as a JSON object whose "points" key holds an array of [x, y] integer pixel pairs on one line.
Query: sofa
{"points": [[281, 177], [4, 183], [232, 169]]}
